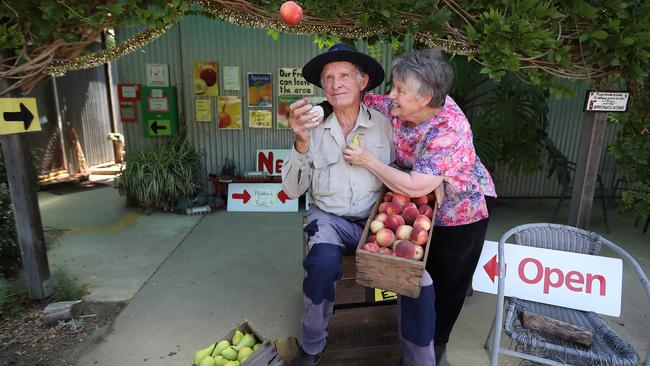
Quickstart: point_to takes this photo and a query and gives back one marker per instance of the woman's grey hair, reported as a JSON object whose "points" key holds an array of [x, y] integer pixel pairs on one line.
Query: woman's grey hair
{"points": [[429, 73]]}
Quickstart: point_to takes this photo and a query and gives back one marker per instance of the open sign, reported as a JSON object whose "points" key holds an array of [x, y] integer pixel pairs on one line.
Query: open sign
{"points": [[572, 280]]}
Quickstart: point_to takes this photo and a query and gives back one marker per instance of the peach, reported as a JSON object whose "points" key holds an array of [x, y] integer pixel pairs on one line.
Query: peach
{"points": [[383, 250], [401, 199], [385, 237], [382, 207], [403, 232], [371, 247], [371, 239], [419, 201], [381, 216], [409, 214], [419, 253], [290, 12], [394, 208], [425, 210], [418, 236], [375, 225], [388, 197], [404, 249], [422, 222], [432, 199], [393, 222]]}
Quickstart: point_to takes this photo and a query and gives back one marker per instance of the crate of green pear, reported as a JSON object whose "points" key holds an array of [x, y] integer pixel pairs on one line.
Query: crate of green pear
{"points": [[243, 346], [394, 247]]}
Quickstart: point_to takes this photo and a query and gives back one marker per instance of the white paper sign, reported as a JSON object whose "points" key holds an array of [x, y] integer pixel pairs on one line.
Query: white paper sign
{"points": [[259, 197], [577, 281], [606, 101], [231, 79], [157, 75]]}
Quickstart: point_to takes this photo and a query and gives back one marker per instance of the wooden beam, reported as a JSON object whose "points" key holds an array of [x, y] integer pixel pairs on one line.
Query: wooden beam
{"points": [[584, 179], [556, 328], [29, 229]]}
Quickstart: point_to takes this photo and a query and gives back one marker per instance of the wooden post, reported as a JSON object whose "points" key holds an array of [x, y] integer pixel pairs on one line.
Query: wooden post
{"points": [[29, 229], [585, 178]]}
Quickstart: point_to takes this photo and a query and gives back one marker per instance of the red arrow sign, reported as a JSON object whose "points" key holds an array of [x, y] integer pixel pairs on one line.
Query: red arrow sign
{"points": [[242, 196], [492, 268], [283, 196]]}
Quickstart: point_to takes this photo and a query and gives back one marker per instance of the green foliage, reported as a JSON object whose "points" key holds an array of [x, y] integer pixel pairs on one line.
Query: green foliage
{"points": [[14, 297], [158, 178], [509, 120], [66, 288], [632, 151], [10, 260]]}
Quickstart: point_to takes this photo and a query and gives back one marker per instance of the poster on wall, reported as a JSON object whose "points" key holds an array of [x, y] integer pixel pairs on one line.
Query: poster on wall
{"points": [[203, 109], [229, 108], [260, 118], [128, 111], [291, 82], [157, 75], [231, 80], [259, 90], [283, 109], [205, 78]]}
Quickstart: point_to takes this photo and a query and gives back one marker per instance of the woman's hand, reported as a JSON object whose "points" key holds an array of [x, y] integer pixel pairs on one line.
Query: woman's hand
{"points": [[302, 120], [357, 154]]}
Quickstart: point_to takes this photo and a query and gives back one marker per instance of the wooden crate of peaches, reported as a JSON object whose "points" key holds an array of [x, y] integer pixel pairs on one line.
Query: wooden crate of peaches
{"points": [[394, 247]]}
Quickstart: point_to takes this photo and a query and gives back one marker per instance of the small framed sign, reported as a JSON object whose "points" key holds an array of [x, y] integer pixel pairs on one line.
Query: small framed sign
{"points": [[597, 101], [128, 92]]}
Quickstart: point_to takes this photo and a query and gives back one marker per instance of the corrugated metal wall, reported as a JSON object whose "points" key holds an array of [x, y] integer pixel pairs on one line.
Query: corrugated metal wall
{"points": [[565, 122], [83, 100], [197, 38]]}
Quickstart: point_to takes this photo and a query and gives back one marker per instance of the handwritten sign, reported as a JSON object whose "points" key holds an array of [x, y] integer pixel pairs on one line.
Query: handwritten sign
{"points": [[291, 82]]}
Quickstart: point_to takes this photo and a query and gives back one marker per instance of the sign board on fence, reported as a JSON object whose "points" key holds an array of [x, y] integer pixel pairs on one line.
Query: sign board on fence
{"points": [[606, 101], [18, 115], [270, 161], [259, 197], [577, 281]]}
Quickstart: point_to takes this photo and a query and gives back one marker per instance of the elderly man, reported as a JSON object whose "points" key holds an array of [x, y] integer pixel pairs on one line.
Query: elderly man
{"points": [[342, 195]]}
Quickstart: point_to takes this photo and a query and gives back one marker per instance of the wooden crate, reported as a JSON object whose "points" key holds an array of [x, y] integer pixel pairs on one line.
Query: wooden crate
{"points": [[399, 275], [267, 354]]}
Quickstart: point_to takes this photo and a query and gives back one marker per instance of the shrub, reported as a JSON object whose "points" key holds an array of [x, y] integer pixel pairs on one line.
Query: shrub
{"points": [[10, 260]]}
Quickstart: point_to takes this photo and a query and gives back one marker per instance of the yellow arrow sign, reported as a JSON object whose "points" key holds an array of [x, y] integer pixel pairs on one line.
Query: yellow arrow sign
{"points": [[18, 115]]}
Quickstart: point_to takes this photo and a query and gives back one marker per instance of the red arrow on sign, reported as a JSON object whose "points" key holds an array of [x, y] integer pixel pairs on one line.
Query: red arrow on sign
{"points": [[283, 196], [242, 196], [492, 268]]}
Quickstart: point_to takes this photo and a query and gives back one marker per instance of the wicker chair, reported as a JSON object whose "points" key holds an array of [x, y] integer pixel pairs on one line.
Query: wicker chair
{"points": [[607, 347]]}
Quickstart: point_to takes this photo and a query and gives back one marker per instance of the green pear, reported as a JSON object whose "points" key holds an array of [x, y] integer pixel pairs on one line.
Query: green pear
{"points": [[257, 346], [220, 347], [220, 360], [200, 354], [232, 363], [248, 340], [236, 337], [243, 353], [229, 354], [207, 361]]}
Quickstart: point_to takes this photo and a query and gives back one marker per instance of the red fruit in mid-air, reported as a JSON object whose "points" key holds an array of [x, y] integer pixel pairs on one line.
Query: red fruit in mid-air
{"points": [[290, 12]]}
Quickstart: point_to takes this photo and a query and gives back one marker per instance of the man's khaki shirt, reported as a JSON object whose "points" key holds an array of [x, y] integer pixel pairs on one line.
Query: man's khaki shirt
{"points": [[334, 185]]}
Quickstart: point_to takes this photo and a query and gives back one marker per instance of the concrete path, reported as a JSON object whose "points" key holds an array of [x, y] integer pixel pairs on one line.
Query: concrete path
{"points": [[190, 279]]}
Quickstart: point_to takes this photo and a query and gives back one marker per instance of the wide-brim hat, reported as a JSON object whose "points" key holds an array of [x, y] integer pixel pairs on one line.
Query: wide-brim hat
{"points": [[343, 52]]}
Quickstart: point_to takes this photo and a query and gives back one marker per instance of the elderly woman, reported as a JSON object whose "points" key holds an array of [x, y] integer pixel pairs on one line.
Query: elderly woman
{"points": [[433, 140]]}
